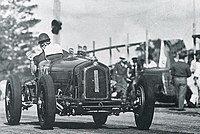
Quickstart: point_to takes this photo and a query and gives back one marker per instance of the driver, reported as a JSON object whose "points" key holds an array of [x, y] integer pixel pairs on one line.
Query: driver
{"points": [[49, 51]]}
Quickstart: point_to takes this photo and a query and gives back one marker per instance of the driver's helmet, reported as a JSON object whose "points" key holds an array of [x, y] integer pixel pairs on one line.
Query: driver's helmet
{"points": [[43, 37]]}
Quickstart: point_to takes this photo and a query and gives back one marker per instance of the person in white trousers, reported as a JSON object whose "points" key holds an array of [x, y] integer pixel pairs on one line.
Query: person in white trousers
{"points": [[194, 80]]}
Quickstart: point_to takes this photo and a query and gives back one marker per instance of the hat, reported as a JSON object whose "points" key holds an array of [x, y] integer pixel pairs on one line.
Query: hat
{"points": [[139, 49], [122, 56], [42, 38], [134, 59]]}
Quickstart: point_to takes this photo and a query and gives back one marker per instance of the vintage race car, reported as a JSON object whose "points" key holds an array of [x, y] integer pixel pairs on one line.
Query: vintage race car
{"points": [[76, 85]]}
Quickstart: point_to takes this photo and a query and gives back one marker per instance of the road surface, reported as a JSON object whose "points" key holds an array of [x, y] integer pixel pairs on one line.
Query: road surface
{"points": [[165, 122]]}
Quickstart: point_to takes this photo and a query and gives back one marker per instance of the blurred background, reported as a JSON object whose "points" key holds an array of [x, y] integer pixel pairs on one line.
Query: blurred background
{"points": [[85, 21]]}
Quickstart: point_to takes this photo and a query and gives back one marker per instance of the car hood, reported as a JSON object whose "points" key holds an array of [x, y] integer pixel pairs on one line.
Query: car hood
{"points": [[67, 64]]}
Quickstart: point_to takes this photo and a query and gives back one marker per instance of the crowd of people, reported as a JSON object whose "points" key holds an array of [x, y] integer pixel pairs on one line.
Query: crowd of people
{"points": [[122, 74], [185, 77], [186, 80]]}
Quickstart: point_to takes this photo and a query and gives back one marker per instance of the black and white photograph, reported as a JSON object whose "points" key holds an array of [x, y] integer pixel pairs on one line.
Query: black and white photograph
{"points": [[99, 66]]}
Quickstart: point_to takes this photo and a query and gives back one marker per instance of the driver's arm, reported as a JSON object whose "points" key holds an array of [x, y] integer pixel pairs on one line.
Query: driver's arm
{"points": [[38, 58]]}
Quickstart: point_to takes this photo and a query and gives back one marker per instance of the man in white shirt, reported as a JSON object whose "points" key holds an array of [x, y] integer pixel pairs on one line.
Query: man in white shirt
{"points": [[194, 80], [49, 51], [53, 51], [151, 63]]}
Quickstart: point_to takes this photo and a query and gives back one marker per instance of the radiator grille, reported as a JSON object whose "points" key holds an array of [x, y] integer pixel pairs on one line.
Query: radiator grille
{"points": [[96, 83]]}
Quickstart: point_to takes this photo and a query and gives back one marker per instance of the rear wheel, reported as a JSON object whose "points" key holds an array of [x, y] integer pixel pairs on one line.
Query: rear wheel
{"points": [[13, 100], [46, 105], [145, 111], [100, 118]]}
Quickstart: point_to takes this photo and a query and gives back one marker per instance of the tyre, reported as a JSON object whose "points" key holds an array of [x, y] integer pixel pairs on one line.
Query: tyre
{"points": [[100, 118], [46, 102], [13, 100], [145, 111]]}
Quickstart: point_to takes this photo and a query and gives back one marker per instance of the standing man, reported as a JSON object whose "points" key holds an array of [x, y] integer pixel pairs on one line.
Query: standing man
{"points": [[120, 72], [194, 80], [140, 58], [180, 71]]}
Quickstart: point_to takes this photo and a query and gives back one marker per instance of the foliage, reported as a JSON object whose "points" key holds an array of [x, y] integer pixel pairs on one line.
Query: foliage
{"points": [[16, 37]]}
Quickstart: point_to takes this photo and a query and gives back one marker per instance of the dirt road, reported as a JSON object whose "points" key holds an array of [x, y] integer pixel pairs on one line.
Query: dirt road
{"points": [[165, 121]]}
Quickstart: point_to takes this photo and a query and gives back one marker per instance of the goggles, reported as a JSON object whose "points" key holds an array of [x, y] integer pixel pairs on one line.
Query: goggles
{"points": [[45, 43]]}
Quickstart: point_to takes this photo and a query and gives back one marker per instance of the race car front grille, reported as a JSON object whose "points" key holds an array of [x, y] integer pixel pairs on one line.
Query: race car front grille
{"points": [[95, 83]]}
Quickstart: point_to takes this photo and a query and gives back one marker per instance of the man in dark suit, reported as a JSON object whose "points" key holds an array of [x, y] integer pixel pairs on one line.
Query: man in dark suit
{"points": [[120, 72], [180, 72]]}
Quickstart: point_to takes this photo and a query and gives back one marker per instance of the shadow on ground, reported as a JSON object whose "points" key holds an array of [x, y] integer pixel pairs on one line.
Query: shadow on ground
{"points": [[103, 129]]}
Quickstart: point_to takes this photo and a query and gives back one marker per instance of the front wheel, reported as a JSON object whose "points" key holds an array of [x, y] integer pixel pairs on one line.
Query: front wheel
{"points": [[145, 111], [13, 100], [100, 118], [46, 105]]}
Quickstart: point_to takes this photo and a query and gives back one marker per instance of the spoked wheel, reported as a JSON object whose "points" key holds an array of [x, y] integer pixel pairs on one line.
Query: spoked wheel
{"points": [[46, 106], [13, 100], [145, 111], [100, 118]]}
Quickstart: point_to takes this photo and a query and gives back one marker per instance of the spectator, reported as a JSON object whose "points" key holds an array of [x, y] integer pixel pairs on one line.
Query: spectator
{"points": [[194, 80], [120, 73], [180, 71], [133, 67], [151, 63], [140, 58]]}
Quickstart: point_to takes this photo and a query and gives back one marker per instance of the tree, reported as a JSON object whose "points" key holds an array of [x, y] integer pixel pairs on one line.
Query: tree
{"points": [[16, 37]]}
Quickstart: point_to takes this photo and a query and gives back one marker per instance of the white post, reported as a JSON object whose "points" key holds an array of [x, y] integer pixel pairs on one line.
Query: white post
{"points": [[127, 46], [110, 43], [194, 26], [146, 49], [93, 48]]}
